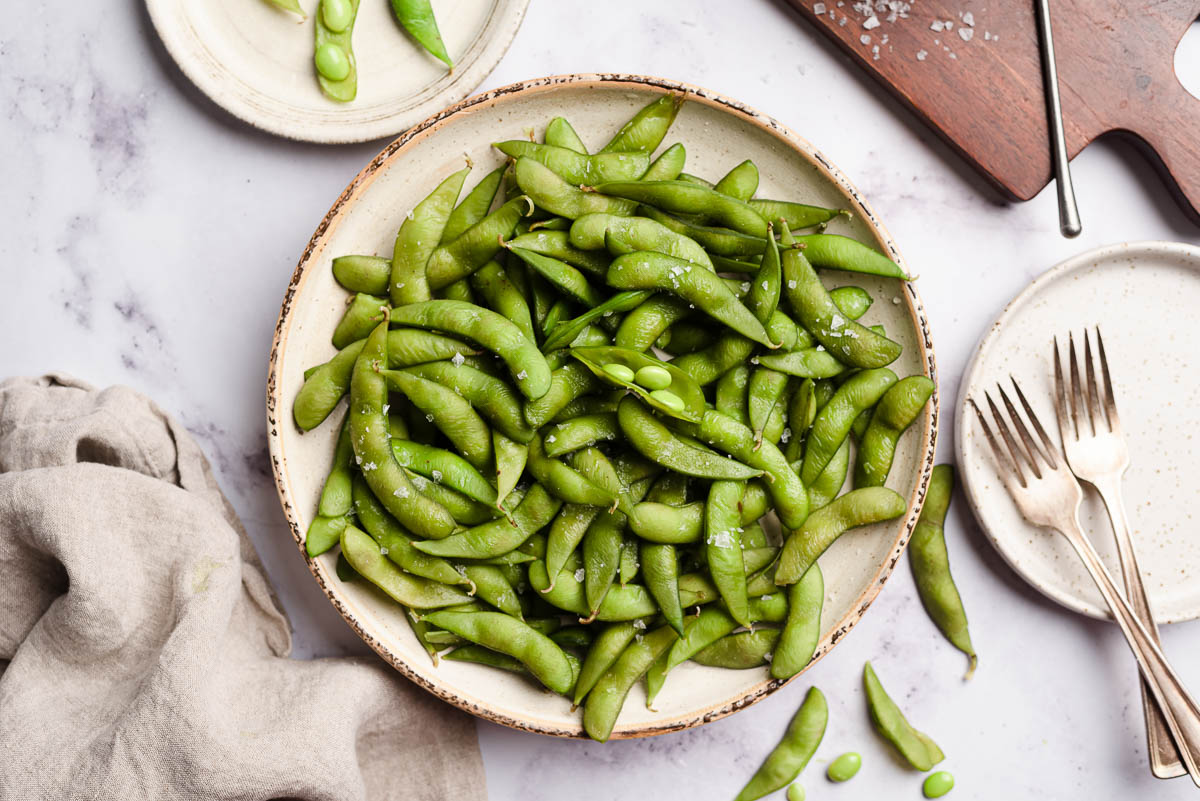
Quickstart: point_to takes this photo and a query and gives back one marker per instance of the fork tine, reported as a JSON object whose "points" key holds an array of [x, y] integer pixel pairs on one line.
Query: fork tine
{"points": [[1005, 464], [1023, 432], [1066, 423], [1051, 452], [1018, 454], [1078, 407], [1093, 392], [1110, 400]]}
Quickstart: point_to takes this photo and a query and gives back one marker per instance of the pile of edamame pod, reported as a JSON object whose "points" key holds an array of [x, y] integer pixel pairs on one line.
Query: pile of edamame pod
{"points": [[333, 29], [575, 394]]}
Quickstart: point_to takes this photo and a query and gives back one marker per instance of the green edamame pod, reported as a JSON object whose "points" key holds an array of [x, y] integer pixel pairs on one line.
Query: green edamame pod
{"points": [[417, 238], [562, 276], [741, 182], [850, 342], [781, 767], [537, 652], [767, 285], [741, 651], [916, 747], [370, 436], [802, 631], [333, 55], [714, 361], [593, 465], [450, 412], [601, 558], [494, 585], [323, 533], [856, 508], [698, 286], [660, 566], [579, 168], [567, 593], [580, 432], [362, 315], [642, 326], [894, 413], [492, 539], [492, 397], [566, 331], [557, 245], [550, 191], [526, 363], [595, 231], [493, 285], [604, 702], [646, 130], [336, 494], [560, 134], [853, 301], [833, 422], [623, 367], [566, 532], [722, 242], [767, 392], [565, 481], [478, 655], [417, 18], [656, 442], [796, 215], [668, 165], [604, 651], [475, 247], [833, 252], [366, 274], [397, 544], [702, 203], [566, 384], [666, 524], [444, 467], [731, 395], [474, 207], [723, 546], [630, 567], [806, 363], [465, 511], [289, 5], [931, 566], [829, 483], [789, 494], [362, 553]]}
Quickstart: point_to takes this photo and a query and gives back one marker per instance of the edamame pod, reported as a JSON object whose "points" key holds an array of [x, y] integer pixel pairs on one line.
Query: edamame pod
{"points": [[931, 566], [450, 412], [741, 651], [802, 631], [362, 315], [604, 702], [493, 332], [552, 192], [796, 215], [362, 553], [333, 55], [681, 197], [894, 413], [444, 467], [833, 252], [499, 294], [605, 650], [656, 442], [580, 432], [741, 182], [627, 602], [417, 18], [592, 232], [418, 237], [560, 134], [397, 544], [476, 246], [668, 165], [833, 422], [645, 131], [498, 537], [781, 767], [916, 747], [492, 397], [366, 274], [557, 244], [579, 168], [723, 547], [506, 635], [860, 507]]}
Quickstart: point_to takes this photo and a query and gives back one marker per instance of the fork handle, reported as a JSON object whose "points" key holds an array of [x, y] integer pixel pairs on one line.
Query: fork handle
{"points": [[1165, 762], [1179, 709]]}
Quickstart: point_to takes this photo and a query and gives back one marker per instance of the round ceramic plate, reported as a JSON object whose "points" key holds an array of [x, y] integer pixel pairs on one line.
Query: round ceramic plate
{"points": [[719, 133], [256, 62], [1144, 297]]}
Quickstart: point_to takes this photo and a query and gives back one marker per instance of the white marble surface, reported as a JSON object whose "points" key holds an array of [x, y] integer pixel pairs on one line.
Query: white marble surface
{"points": [[149, 238]]}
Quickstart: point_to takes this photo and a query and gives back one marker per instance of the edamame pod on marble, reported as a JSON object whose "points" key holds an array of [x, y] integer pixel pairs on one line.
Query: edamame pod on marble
{"points": [[916, 747], [804, 733]]}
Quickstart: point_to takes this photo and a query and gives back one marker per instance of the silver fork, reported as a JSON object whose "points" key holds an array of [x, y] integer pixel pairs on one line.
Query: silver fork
{"points": [[1095, 449], [1047, 494]]}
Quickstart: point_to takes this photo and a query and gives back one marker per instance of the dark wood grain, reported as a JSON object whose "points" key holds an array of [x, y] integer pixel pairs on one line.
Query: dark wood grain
{"points": [[1116, 71]]}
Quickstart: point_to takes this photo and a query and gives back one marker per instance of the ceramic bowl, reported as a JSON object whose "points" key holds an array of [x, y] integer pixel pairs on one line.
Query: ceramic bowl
{"points": [[256, 61], [718, 133]]}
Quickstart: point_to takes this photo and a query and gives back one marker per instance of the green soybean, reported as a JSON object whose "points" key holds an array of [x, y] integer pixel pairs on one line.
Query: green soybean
{"points": [[937, 784], [844, 768]]}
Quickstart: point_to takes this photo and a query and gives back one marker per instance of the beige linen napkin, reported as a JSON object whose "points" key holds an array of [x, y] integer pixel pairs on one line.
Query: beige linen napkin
{"points": [[142, 654]]}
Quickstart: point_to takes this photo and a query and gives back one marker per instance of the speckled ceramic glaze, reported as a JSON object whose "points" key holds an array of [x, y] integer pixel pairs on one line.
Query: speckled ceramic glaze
{"points": [[718, 133], [256, 62], [1144, 296]]}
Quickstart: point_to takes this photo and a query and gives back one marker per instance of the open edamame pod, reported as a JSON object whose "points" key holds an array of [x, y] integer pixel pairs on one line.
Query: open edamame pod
{"points": [[931, 566], [665, 388], [333, 53], [860, 507], [916, 747]]}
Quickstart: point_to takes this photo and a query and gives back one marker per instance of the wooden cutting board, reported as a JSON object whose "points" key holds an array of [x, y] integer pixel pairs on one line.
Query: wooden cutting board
{"points": [[982, 90]]}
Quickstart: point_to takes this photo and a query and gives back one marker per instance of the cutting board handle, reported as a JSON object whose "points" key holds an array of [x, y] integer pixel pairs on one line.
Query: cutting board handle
{"points": [[1174, 136]]}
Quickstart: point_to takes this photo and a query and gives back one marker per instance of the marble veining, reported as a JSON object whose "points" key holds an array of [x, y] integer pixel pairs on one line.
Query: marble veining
{"points": [[149, 238]]}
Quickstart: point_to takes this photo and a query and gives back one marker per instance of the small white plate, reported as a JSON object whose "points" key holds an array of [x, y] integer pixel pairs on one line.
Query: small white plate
{"points": [[1144, 297], [256, 62]]}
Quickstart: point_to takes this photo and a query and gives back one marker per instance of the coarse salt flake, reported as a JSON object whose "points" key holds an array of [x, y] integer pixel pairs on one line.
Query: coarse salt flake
{"points": [[640, 625], [400, 492], [458, 359], [871, 23], [966, 33], [792, 284], [865, 38], [436, 475], [580, 574], [968, 18], [818, 8], [521, 376], [922, 55], [937, 25]]}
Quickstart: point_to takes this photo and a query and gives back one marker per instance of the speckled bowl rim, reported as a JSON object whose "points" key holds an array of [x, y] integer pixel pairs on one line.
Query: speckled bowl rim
{"points": [[278, 416], [1119, 250], [326, 128]]}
